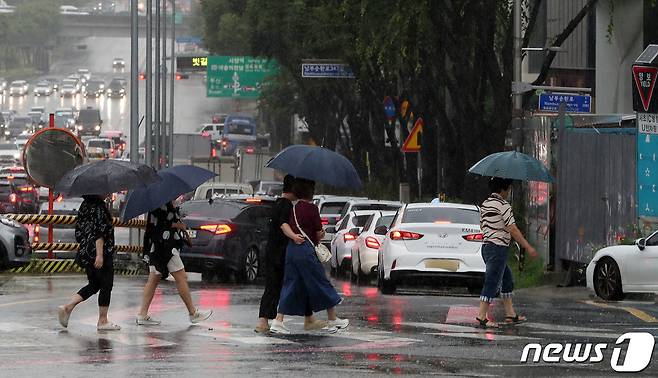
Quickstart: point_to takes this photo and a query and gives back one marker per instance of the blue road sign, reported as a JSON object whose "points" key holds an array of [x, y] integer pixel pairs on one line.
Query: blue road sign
{"points": [[389, 108], [188, 39], [647, 175], [550, 102], [327, 70]]}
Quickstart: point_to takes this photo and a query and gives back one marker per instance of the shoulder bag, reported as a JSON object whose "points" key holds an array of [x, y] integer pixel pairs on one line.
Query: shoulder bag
{"points": [[321, 251]]}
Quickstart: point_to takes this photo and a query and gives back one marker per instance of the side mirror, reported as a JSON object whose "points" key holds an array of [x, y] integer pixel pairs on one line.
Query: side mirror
{"points": [[330, 230], [641, 243], [381, 230]]}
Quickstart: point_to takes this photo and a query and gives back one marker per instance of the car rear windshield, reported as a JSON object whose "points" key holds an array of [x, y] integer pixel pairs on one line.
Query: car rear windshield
{"points": [[5, 187], [240, 129], [216, 210], [89, 116], [100, 143], [440, 215], [332, 207]]}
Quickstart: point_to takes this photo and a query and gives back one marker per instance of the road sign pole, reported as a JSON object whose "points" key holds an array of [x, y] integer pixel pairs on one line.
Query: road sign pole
{"points": [[51, 199], [134, 90], [171, 80], [156, 94], [163, 129], [148, 134]]}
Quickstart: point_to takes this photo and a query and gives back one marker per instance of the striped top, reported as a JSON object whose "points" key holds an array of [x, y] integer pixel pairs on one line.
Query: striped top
{"points": [[495, 215]]}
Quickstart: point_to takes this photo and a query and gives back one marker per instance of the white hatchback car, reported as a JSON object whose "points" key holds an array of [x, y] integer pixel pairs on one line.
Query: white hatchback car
{"points": [[341, 245], [428, 242], [365, 251], [617, 270]]}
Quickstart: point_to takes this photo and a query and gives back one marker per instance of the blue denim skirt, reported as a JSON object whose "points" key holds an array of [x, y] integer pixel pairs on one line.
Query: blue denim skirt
{"points": [[305, 282]]}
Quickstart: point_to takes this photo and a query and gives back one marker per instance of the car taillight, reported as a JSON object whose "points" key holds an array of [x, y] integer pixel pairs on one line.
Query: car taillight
{"points": [[473, 237], [249, 150], [37, 228], [26, 189], [178, 76], [372, 242], [217, 229], [349, 237], [253, 200], [213, 152], [142, 76], [405, 235], [325, 221], [13, 198], [224, 143]]}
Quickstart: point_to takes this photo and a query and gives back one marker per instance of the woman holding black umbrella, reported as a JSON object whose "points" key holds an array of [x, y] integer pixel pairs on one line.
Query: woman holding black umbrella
{"points": [[95, 234]]}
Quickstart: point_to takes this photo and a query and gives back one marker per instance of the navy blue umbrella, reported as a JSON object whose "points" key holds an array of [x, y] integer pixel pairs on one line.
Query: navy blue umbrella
{"points": [[317, 164], [176, 180]]}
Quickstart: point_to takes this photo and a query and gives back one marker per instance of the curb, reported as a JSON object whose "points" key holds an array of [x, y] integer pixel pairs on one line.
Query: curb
{"points": [[50, 266]]}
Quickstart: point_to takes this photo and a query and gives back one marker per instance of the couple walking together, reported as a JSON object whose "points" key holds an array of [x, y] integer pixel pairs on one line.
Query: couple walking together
{"points": [[296, 283]]}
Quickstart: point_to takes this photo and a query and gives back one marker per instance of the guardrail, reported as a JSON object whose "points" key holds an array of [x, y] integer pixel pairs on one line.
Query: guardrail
{"points": [[44, 219]]}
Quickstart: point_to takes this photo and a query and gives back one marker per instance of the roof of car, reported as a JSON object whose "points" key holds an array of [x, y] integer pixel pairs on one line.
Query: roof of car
{"points": [[444, 205], [368, 201], [363, 212]]}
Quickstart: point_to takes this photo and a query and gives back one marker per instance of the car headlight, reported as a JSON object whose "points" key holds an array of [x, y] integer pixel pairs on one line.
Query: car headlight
{"points": [[7, 132], [98, 127], [79, 127], [16, 156], [109, 90], [10, 223]]}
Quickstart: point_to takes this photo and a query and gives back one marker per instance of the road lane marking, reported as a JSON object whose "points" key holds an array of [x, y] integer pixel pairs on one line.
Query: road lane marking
{"points": [[27, 301], [559, 327], [631, 310], [489, 336]]}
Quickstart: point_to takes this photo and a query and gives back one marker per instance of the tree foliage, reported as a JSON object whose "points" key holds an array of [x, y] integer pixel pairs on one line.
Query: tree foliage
{"points": [[452, 59]]}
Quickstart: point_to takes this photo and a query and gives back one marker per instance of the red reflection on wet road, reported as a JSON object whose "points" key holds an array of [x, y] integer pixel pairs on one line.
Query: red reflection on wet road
{"points": [[215, 298], [373, 318], [370, 292], [347, 289]]}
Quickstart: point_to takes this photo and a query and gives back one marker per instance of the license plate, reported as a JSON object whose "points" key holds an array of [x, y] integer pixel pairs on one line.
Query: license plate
{"points": [[445, 264], [192, 233]]}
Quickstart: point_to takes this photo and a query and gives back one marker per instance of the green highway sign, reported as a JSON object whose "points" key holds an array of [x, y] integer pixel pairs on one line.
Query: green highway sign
{"points": [[237, 76]]}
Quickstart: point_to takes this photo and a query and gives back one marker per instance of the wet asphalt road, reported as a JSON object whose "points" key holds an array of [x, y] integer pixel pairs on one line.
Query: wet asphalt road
{"points": [[415, 333]]}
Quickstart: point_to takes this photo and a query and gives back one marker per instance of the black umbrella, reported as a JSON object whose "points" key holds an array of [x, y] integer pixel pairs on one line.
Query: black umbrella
{"points": [[104, 177]]}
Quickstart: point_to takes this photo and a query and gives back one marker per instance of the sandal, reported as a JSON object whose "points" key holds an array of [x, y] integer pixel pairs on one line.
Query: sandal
{"points": [[108, 327], [486, 323], [516, 319]]}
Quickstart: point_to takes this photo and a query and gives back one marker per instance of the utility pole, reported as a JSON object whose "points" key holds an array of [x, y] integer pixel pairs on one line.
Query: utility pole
{"points": [[163, 124], [172, 79], [156, 94], [134, 103], [148, 146], [517, 98], [134, 96]]}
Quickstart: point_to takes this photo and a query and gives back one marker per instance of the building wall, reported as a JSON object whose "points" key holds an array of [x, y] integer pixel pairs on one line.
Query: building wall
{"points": [[615, 57]]}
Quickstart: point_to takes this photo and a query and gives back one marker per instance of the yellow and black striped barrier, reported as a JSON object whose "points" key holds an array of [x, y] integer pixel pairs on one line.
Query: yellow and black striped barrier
{"points": [[74, 247], [48, 266], [45, 219]]}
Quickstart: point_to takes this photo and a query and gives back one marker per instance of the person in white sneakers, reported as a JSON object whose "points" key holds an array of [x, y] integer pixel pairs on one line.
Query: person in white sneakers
{"points": [[305, 281], [164, 237]]}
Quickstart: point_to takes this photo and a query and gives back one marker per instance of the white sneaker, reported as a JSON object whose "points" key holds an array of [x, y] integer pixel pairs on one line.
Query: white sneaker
{"points": [[146, 320], [339, 323], [63, 316], [279, 328], [200, 315]]}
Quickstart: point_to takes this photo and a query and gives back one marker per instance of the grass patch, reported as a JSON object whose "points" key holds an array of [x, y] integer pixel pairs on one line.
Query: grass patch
{"points": [[532, 274]]}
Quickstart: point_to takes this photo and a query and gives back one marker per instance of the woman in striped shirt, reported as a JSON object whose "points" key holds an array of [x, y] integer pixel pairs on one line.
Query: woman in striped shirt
{"points": [[498, 227]]}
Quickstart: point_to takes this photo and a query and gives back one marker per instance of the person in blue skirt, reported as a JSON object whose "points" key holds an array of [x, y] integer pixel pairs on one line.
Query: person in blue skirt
{"points": [[305, 281]]}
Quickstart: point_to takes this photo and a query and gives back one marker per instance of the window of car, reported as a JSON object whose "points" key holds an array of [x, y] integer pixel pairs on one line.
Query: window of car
{"points": [[331, 207], [100, 144], [369, 222], [360, 220], [258, 215], [216, 210], [386, 220], [652, 241], [207, 128], [440, 215], [344, 223]]}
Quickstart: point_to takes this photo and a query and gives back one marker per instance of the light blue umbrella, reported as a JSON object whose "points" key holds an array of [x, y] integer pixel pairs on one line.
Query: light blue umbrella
{"points": [[317, 164], [512, 165]]}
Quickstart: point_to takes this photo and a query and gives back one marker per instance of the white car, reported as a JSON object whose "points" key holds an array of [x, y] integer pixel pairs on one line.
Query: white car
{"points": [[216, 189], [439, 243], [365, 251], [18, 88], [345, 235], [330, 208], [213, 131], [106, 144], [617, 270], [72, 10]]}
